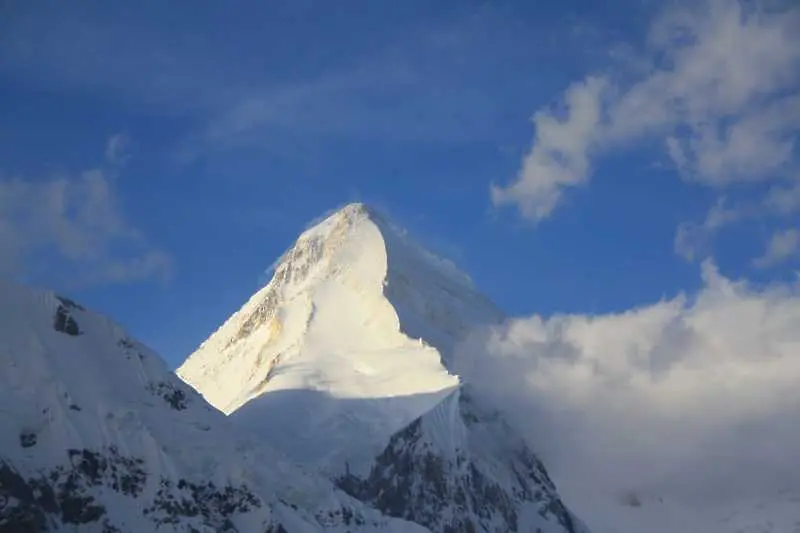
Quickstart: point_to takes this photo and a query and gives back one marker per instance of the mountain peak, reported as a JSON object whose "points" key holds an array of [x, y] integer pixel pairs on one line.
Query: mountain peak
{"points": [[357, 208], [357, 310], [342, 362]]}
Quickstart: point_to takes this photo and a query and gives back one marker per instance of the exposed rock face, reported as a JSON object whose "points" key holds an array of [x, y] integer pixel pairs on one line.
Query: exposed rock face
{"points": [[67, 494], [63, 320], [62, 494]]}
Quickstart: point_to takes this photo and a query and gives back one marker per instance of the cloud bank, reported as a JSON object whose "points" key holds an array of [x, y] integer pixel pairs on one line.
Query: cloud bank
{"points": [[693, 399], [74, 222], [718, 86]]}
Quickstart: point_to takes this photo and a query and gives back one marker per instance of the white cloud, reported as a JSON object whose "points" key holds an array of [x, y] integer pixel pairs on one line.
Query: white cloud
{"points": [[781, 246], [721, 92], [73, 224], [756, 146], [693, 398], [559, 158]]}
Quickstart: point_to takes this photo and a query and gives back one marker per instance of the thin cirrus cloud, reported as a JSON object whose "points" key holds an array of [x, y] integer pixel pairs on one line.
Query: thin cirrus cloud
{"points": [[75, 221], [241, 96], [721, 90], [691, 399], [453, 79]]}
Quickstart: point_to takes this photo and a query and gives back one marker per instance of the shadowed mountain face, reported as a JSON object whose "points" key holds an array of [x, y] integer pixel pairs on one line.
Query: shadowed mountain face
{"points": [[458, 468], [343, 362]]}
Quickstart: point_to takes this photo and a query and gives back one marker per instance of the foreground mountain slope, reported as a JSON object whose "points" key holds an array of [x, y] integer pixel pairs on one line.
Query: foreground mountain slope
{"points": [[97, 435], [342, 361]]}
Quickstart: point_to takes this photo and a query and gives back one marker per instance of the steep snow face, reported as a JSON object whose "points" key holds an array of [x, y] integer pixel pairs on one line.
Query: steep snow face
{"points": [[462, 468], [352, 334], [96, 433]]}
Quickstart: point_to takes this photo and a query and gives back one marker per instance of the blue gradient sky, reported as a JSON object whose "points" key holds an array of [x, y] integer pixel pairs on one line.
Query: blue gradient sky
{"points": [[155, 159]]}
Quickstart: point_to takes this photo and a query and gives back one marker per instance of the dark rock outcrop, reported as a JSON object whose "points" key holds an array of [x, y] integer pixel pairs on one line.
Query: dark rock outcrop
{"points": [[64, 495]]}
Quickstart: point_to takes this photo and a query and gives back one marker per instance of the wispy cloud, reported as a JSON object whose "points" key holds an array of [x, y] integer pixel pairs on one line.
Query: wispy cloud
{"points": [[370, 101], [117, 149], [692, 398], [781, 203], [693, 240], [784, 199], [721, 92], [76, 223], [419, 79], [782, 246]]}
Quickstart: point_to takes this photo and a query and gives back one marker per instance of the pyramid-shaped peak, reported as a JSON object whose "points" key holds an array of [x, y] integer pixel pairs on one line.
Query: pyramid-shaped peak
{"points": [[360, 284], [363, 227]]}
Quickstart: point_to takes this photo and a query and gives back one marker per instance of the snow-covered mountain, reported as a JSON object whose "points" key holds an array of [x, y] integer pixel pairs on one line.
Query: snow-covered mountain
{"points": [[351, 335], [97, 435], [342, 362]]}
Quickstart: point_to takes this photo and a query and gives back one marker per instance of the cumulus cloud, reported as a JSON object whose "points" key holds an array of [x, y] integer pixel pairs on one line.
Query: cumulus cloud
{"points": [[74, 225], [692, 398], [720, 91]]}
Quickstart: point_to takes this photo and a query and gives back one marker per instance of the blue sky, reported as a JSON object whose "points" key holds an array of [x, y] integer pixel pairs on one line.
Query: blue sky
{"points": [[571, 157]]}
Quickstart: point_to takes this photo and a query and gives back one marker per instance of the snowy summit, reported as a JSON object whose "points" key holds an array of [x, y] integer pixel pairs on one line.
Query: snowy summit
{"points": [[343, 362], [356, 312]]}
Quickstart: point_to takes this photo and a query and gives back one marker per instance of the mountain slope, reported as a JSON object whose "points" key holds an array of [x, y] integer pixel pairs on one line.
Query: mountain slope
{"points": [[97, 435], [342, 360]]}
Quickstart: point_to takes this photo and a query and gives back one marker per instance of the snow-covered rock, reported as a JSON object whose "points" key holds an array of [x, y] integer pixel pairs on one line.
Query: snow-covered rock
{"points": [[97, 435], [342, 362]]}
